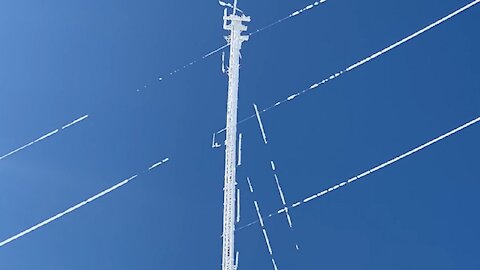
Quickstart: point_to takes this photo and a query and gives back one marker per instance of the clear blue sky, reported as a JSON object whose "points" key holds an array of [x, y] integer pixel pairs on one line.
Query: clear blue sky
{"points": [[63, 59]]}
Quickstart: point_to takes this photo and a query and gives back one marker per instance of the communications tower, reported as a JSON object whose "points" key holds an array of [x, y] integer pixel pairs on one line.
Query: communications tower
{"points": [[233, 23]]}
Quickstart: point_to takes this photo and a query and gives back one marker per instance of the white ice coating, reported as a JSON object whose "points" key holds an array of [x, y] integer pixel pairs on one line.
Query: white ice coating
{"points": [[214, 143], [298, 12], [46, 136], [223, 4], [250, 185], [295, 204], [366, 60], [280, 189], [274, 264], [289, 219], [273, 165], [264, 136], [267, 240], [223, 62], [69, 210], [262, 225], [16, 150], [419, 32], [309, 198], [236, 260], [377, 54], [258, 213], [387, 163], [282, 196], [238, 205], [157, 164], [177, 70], [75, 121], [239, 162], [377, 168], [43, 137], [291, 15], [219, 49], [291, 97]]}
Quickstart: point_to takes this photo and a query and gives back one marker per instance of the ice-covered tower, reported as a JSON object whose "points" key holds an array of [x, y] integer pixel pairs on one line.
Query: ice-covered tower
{"points": [[233, 23]]}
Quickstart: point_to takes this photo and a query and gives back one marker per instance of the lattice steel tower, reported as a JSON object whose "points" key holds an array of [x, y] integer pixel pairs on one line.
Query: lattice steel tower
{"points": [[233, 23]]}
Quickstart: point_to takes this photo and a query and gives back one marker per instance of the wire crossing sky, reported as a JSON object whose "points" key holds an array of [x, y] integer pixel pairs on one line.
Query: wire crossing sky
{"points": [[77, 206], [221, 48], [59, 57], [274, 172], [282, 195], [44, 137], [363, 61], [293, 14], [260, 124], [370, 171], [264, 230]]}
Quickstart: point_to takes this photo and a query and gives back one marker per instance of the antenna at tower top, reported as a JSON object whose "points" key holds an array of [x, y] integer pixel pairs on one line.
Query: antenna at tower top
{"points": [[234, 7]]}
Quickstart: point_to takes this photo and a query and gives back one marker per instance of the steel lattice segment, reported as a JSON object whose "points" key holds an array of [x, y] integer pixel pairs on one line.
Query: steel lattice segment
{"points": [[236, 28]]}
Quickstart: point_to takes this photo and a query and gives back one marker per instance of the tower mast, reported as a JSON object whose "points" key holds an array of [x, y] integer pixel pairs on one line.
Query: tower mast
{"points": [[233, 23]]}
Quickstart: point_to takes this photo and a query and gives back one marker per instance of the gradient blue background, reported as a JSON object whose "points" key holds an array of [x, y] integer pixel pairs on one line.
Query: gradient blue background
{"points": [[63, 59]]}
